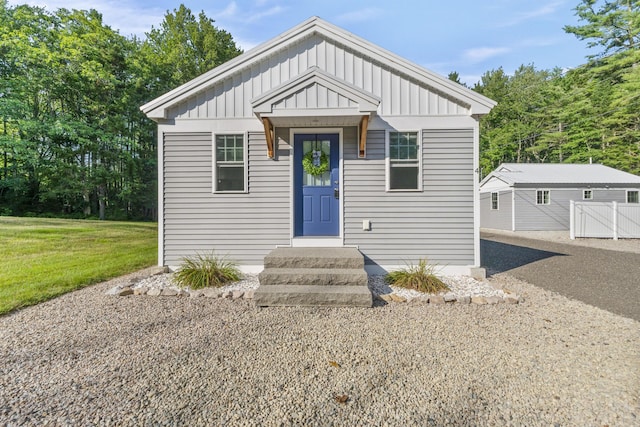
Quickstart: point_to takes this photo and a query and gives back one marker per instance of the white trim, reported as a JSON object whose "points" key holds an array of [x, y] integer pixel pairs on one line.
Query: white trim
{"points": [[584, 192], [536, 197], [513, 209], [387, 162], [245, 155], [445, 270], [316, 242], [160, 198], [476, 195], [497, 208], [371, 269], [478, 104], [367, 102], [292, 211], [626, 195]]}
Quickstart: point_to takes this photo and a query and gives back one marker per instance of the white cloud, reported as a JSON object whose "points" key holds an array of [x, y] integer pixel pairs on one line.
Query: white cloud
{"points": [[480, 54], [544, 10], [228, 12], [361, 15], [253, 17]]}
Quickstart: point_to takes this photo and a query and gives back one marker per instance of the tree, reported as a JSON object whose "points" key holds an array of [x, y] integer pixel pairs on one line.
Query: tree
{"points": [[615, 25], [184, 47]]}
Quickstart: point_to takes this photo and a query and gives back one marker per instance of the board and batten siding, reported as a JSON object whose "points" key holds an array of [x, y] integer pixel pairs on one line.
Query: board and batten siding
{"points": [[400, 94], [499, 219], [556, 215], [436, 223], [244, 226]]}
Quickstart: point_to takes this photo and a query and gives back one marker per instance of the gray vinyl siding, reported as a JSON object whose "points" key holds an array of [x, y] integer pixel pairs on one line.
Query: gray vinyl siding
{"points": [[231, 98], [554, 216], [499, 219], [243, 226], [436, 223]]}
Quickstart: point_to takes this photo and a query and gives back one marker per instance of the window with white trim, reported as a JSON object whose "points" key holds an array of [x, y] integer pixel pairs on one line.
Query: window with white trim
{"points": [[633, 196], [543, 197], [494, 201], [587, 194], [404, 161], [230, 163]]}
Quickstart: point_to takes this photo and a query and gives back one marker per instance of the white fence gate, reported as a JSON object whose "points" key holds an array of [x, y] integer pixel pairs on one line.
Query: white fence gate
{"points": [[610, 220]]}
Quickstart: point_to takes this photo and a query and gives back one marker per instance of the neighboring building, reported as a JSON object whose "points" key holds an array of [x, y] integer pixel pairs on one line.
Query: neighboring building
{"points": [[537, 196], [238, 148]]}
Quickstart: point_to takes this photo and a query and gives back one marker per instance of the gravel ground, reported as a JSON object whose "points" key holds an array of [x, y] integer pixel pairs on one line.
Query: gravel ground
{"points": [[621, 245], [88, 358], [459, 286]]}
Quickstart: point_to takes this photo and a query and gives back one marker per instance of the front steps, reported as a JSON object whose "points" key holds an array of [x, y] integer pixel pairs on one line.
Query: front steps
{"points": [[332, 277]]}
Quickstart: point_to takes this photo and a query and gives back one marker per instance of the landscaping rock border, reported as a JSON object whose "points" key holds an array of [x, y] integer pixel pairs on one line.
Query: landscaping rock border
{"points": [[463, 290]]}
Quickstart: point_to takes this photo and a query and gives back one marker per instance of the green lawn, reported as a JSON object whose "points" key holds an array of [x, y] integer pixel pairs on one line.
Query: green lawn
{"points": [[43, 258]]}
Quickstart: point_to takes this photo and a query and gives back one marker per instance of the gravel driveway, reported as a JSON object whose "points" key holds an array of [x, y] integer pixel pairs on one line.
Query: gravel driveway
{"points": [[91, 359], [605, 278]]}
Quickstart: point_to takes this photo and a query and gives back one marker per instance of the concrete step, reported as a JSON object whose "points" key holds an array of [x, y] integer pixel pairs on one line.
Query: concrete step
{"points": [[313, 295], [313, 276], [314, 258]]}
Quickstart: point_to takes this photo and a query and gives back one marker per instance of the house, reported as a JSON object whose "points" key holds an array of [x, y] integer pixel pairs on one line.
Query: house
{"points": [[532, 196], [318, 138]]}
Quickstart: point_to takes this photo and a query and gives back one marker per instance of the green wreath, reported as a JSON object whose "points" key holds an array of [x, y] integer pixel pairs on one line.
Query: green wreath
{"points": [[310, 168]]}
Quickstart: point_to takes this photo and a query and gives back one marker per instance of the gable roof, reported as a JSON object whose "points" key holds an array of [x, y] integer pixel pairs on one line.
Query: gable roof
{"points": [[364, 102], [560, 173], [478, 104]]}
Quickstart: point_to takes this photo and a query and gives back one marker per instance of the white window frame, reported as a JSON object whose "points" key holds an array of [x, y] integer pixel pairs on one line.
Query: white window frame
{"points": [[548, 198], [497, 201], [388, 161], [245, 162], [627, 196], [584, 194]]}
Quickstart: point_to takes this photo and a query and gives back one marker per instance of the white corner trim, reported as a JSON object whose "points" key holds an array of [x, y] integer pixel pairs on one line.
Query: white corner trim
{"points": [[160, 199], [445, 270]]}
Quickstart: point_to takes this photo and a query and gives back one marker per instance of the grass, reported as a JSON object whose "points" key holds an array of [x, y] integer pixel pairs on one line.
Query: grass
{"points": [[204, 270], [419, 277], [44, 258]]}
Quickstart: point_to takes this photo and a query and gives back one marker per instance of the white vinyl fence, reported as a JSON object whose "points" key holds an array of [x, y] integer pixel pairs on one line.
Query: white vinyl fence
{"points": [[610, 220]]}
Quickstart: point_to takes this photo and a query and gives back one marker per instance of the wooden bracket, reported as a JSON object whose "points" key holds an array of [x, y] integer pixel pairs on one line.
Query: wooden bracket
{"points": [[364, 123], [268, 133]]}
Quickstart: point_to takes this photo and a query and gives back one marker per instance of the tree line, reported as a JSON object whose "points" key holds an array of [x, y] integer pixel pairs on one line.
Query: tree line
{"points": [[587, 114], [72, 139], [74, 143]]}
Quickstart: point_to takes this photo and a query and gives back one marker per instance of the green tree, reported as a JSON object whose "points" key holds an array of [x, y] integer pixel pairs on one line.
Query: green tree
{"points": [[184, 47], [612, 24]]}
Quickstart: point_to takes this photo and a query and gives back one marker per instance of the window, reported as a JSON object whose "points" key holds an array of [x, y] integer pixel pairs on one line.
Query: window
{"points": [[633, 196], [587, 195], [404, 161], [229, 171], [494, 201], [543, 197]]}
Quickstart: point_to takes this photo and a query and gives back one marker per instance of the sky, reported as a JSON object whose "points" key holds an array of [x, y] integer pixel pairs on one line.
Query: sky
{"points": [[470, 37]]}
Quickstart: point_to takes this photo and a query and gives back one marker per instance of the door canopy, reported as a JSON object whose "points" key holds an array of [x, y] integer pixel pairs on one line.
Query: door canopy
{"points": [[313, 99]]}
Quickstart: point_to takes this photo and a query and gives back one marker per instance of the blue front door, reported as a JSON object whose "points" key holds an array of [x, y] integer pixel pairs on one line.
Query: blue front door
{"points": [[317, 195]]}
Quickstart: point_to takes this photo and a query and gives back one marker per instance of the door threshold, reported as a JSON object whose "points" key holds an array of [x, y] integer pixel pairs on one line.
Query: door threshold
{"points": [[316, 242]]}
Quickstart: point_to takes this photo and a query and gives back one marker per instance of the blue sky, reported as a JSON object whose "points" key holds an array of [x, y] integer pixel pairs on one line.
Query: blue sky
{"points": [[467, 36]]}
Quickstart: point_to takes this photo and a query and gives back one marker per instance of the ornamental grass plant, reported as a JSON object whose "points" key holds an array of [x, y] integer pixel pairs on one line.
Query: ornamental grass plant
{"points": [[206, 270], [419, 277]]}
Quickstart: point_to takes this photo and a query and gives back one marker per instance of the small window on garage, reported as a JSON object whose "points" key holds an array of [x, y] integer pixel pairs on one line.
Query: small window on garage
{"points": [[633, 196], [543, 197], [494, 201], [403, 166], [587, 194], [230, 164]]}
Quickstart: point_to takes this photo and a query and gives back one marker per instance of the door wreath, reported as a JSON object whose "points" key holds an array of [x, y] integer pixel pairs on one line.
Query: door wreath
{"points": [[315, 162]]}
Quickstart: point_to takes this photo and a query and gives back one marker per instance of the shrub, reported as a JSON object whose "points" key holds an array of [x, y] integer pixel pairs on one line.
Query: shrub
{"points": [[418, 277], [201, 271]]}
